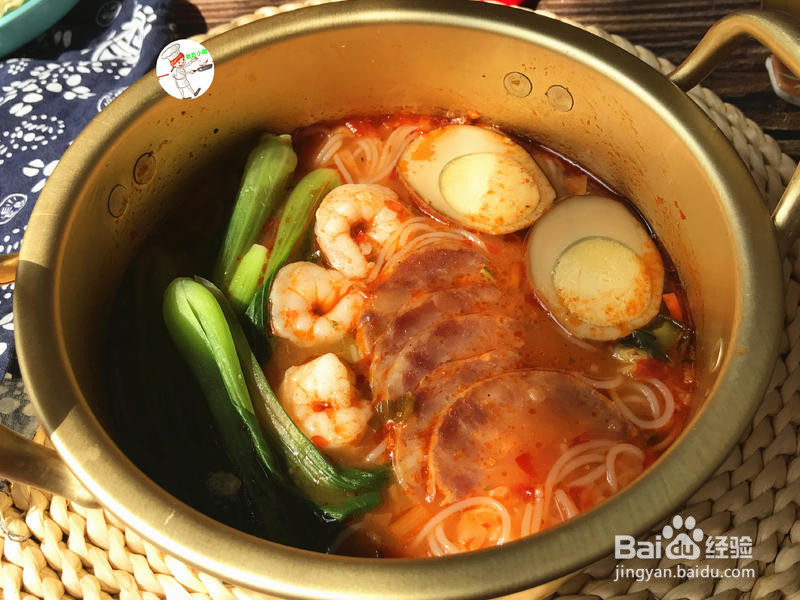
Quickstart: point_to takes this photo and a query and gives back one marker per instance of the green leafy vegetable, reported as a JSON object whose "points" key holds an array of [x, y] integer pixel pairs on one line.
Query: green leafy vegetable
{"points": [[266, 176], [199, 329], [246, 278], [645, 340], [297, 214]]}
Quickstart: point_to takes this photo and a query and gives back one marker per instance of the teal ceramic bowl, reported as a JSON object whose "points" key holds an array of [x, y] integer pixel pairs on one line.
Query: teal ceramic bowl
{"points": [[23, 24]]}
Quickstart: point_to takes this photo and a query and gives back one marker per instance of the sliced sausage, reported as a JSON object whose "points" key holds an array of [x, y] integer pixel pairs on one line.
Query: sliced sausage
{"points": [[510, 429]]}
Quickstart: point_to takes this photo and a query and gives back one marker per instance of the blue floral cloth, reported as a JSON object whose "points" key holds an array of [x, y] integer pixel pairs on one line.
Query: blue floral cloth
{"points": [[49, 90]]}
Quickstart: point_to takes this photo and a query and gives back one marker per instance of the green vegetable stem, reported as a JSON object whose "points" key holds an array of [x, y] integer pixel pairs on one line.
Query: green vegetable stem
{"points": [[266, 177], [247, 277], [296, 217]]}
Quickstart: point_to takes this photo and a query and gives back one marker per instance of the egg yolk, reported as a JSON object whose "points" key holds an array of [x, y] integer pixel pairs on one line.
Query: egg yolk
{"points": [[602, 282], [489, 188]]}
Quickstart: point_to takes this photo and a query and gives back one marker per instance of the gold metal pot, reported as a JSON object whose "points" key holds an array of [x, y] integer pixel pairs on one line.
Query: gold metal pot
{"points": [[568, 89]]}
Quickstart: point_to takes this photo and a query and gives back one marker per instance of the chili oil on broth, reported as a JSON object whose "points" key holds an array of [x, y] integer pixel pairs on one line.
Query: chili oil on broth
{"points": [[544, 465]]}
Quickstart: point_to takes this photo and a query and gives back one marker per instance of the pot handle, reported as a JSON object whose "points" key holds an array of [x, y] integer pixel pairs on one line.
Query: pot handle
{"points": [[8, 268], [781, 35], [27, 462]]}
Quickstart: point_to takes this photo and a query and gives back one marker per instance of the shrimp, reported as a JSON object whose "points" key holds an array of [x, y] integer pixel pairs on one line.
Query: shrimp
{"points": [[323, 401], [353, 222], [312, 305]]}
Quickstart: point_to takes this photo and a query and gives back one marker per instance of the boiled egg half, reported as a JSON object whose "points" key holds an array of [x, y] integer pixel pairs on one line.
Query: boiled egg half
{"points": [[594, 266], [477, 177]]}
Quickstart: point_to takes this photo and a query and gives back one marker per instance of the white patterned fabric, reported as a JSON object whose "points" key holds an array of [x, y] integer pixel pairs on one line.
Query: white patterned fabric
{"points": [[49, 90]]}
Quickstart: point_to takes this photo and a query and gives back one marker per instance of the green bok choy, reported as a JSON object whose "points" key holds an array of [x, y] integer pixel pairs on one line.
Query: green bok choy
{"points": [[209, 336]]}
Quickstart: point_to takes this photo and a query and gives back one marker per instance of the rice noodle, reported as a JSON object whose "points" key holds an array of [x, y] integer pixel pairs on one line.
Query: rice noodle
{"points": [[337, 160], [574, 458], [532, 517], [602, 384], [416, 233], [649, 396], [372, 160], [538, 514], [443, 514], [665, 393], [620, 390], [555, 475], [525, 528], [379, 157], [566, 507], [578, 462], [434, 546], [660, 417], [392, 149], [472, 238], [611, 459], [377, 452], [395, 240], [590, 477], [441, 537], [421, 241], [330, 147]]}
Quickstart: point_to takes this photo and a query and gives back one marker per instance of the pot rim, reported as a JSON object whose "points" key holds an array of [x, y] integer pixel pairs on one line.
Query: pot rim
{"points": [[262, 565]]}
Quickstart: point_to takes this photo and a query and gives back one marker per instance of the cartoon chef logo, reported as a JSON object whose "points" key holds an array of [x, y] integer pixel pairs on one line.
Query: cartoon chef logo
{"points": [[185, 69]]}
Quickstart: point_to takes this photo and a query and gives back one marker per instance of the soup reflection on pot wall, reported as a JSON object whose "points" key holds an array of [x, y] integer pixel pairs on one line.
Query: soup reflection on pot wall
{"points": [[731, 285]]}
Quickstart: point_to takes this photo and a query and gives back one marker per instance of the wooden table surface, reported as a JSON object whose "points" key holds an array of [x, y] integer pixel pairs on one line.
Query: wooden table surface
{"points": [[670, 28]]}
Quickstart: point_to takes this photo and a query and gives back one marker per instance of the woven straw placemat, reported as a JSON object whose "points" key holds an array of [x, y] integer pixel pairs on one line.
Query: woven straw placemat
{"points": [[52, 549]]}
